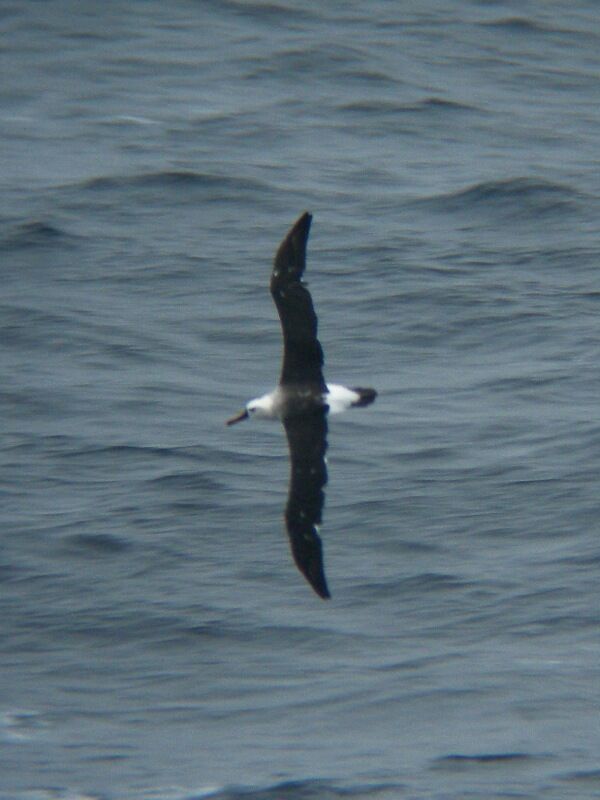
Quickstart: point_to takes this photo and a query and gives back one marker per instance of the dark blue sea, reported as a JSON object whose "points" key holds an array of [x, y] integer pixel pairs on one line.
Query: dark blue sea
{"points": [[156, 639]]}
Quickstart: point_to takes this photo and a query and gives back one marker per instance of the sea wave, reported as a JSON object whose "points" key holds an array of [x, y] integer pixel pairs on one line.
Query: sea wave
{"points": [[35, 233], [215, 186], [512, 196], [310, 790]]}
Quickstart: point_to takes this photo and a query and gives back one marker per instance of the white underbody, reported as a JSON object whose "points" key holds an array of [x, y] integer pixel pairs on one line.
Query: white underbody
{"points": [[270, 406]]}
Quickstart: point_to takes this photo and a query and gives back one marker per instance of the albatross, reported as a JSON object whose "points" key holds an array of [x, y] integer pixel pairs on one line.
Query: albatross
{"points": [[302, 402]]}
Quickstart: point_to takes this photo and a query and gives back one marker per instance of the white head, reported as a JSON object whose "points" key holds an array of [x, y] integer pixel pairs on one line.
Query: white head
{"points": [[260, 407]]}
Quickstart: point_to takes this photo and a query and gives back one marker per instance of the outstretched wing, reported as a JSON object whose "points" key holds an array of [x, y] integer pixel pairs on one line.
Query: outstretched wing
{"points": [[307, 440], [302, 352]]}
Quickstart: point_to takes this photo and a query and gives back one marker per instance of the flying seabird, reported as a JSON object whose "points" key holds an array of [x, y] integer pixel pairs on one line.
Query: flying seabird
{"points": [[302, 401]]}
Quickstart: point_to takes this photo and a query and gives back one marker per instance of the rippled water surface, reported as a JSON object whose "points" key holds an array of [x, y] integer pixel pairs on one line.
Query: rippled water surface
{"points": [[156, 640]]}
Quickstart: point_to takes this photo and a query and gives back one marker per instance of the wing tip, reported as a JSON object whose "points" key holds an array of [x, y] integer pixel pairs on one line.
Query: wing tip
{"points": [[313, 571], [304, 220], [299, 231], [307, 551], [290, 258], [319, 585], [314, 574], [324, 593]]}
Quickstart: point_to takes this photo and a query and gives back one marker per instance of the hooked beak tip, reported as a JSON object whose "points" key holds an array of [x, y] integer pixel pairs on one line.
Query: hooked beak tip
{"points": [[238, 417]]}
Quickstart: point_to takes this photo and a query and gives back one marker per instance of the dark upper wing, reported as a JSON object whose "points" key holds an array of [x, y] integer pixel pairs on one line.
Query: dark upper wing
{"points": [[307, 440], [302, 352]]}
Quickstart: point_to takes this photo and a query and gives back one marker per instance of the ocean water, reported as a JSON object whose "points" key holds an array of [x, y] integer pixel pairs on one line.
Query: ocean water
{"points": [[157, 642]]}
